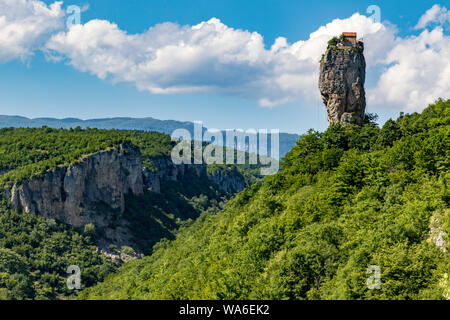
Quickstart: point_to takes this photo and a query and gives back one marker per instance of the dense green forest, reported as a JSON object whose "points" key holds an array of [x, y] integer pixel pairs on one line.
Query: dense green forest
{"points": [[153, 217], [286, 140], [32, 151], [347, 199], [29, 152], [35, 253]]}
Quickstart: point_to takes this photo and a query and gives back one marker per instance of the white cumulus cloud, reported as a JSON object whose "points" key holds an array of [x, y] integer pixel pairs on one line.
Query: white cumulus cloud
{"points": [[208, 57], [436, 14], [417, 72], [25, 25], [213, 57]]}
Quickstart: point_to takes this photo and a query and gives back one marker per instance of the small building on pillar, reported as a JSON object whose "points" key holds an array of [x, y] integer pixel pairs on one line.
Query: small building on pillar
{"points": [[349, 39]]}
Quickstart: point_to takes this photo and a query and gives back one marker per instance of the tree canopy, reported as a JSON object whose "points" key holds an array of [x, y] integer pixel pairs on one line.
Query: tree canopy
{"points": [[347, 199]]}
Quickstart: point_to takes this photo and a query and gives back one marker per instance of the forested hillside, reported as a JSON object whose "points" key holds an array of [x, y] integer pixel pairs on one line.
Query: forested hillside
{"points": [[35, 252], [122, 123], [346, 199], [286, 140], [28, 152]]}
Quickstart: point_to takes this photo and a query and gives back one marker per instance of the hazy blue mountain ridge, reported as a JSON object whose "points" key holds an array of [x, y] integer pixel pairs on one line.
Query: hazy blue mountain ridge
{"points": [[287, 140]]}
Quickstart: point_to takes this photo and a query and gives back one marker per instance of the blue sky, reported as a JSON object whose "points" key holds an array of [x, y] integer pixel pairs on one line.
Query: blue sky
{"points": [[33, 86]]}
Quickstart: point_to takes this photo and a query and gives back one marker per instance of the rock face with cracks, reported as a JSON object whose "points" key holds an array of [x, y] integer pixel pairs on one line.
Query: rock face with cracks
{"points": [[93, 191], [69, 193], [341, 83]]}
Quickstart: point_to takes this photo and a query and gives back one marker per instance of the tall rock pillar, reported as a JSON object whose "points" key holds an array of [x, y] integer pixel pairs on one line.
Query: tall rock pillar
{"points": [[341, 80]]}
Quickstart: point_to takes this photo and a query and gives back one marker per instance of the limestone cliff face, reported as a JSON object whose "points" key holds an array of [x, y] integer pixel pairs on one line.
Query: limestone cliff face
{"points": [[93, 191], [71, 193], [230, 182], [437, 234], [341, 84], [165, 169]]}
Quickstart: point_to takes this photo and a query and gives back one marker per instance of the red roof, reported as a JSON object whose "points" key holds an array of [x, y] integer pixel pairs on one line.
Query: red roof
{"points": [[349, 34]]}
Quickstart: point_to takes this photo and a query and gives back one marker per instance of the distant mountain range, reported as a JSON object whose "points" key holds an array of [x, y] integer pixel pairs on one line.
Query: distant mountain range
{"points": [[287, 140]]}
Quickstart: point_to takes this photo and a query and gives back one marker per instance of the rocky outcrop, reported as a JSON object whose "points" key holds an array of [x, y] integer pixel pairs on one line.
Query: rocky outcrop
{"points": [[229, 180], [72, 193], [93, 191], [341, 83], [437, 234], [164, 169]]}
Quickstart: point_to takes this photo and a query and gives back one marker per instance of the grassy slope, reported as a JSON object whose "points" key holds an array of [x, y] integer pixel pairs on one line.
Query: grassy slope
{"points": [[346, 199]]}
